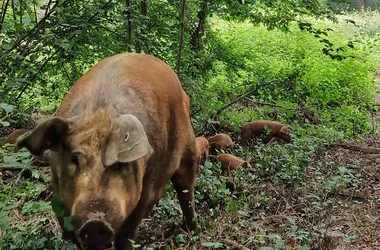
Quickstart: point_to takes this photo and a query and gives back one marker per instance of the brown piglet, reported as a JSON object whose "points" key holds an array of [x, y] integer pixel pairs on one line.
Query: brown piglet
{"points": [[219, 142], [12, 137], [231, 163], [257, 128]]}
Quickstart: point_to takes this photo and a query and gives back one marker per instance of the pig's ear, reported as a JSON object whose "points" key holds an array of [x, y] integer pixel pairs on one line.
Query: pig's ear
{"points": [[46, 135], [284, 130], [247, 165], [127, 141]]}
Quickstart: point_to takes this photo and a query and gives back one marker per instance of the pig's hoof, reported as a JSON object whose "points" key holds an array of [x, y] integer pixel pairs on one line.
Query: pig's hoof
{"points": [[190, 225]]}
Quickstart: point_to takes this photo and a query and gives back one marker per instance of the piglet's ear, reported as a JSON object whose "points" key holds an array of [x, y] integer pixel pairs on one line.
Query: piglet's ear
{"points": [[284, 130], [46, 135]]}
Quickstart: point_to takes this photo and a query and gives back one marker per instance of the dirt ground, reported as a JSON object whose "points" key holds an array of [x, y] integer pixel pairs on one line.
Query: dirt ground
{"points": [[352, 211], [359, 212]]}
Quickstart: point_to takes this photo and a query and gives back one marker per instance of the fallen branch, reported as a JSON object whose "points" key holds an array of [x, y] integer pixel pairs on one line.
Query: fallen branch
{"points": [[219, 111], [12, 169], [356, 148], [234, 244]]}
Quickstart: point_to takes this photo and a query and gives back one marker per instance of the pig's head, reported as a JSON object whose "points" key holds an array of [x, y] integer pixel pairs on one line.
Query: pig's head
{"points": [[246, 165], [97, 167], [285, 134]]}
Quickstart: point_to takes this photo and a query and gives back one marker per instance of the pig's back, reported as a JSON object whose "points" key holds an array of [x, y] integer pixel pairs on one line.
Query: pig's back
{"points": [[136, 84]]}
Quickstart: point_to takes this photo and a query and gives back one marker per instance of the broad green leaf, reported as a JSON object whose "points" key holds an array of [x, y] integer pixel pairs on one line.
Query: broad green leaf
{"points": [[5, 124], [68, 224], [179, 238], [58, 206], [7, 107], [212, 244]]}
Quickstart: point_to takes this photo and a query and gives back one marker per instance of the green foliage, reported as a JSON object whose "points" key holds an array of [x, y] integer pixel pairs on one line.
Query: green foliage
{"points": [[26, 223], [215, 245], [286, 162], [168, 206], [343, 178], [6, 110], [21, 159], [211, 189], [290, 68]]}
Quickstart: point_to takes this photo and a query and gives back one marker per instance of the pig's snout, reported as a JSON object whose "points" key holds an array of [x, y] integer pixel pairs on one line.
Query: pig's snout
{"points": [[96, 234]]}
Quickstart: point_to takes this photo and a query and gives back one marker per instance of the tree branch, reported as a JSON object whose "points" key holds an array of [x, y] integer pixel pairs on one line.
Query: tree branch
{"points": [[34, 76], [37, 27], [218, 112]]}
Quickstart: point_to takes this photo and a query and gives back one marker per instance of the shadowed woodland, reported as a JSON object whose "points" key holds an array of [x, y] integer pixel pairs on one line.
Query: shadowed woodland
{"points": [[313, 66]]}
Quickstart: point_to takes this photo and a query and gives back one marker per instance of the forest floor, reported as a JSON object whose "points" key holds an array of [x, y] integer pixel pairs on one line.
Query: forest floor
{"points": [[286, 216], [339, 192]]}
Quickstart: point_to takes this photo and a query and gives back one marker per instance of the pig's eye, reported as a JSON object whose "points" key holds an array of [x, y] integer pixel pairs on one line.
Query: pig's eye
{"points": [[74, 159], [126, 137]]}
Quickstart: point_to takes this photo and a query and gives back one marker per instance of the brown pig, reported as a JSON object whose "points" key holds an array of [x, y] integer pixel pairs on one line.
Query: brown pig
{"points": [[257, 128], [121, 133], [202, 147], [12, 137], [219, 142], [231, 163]]}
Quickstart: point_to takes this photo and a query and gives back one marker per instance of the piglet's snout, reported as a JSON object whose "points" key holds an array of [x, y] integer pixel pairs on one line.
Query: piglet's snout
{"points": [[96, 234]]}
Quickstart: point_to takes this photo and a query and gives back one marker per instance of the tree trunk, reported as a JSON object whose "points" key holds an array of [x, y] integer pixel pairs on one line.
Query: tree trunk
{"points": [[360, 4], [129, 24], [140, 31], [196, 37], [144, 7], [13, 11], [181, 35], [2, 16], [21, 11], [35, 11]]}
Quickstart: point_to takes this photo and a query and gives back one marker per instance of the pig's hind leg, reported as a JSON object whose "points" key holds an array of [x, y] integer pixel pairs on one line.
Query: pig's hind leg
{"points": [[184, 181]]}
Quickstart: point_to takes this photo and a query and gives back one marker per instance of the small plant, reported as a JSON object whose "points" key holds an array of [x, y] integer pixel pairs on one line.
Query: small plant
{"points": [[215, 245], [134, 245], [7, 109]]}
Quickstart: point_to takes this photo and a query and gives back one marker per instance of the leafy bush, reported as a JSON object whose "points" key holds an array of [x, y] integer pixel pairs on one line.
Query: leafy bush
{"points": [[290, 68]]}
